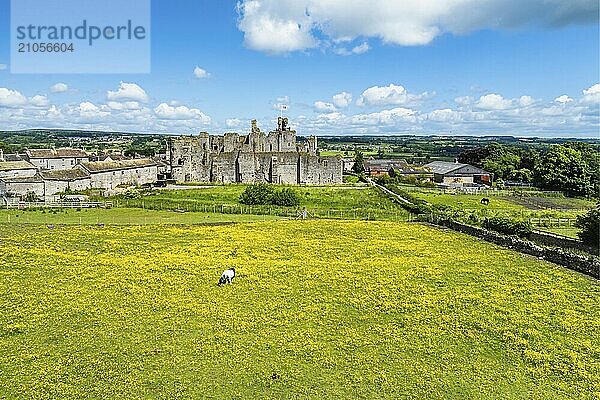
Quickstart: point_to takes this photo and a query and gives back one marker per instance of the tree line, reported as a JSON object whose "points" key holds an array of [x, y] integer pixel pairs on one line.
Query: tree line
{"points": [[572, 167]]}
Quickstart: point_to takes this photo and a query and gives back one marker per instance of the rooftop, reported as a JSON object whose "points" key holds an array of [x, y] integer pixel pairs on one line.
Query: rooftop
{"points": [[444, 167], [56, 153], [105, 166], [11, 165], [65, 174], [29, 179]]}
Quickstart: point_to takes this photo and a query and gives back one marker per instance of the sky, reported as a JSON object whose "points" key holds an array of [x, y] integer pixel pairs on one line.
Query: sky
{"points": [[342, 67]]}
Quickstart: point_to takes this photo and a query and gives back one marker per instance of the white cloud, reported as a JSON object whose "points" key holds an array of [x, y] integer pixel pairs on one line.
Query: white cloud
{"points": [[128, 92], [564, 99], [526, 101], [127, 105], [165, 111], [59, 88], [3, 67], [592, 95], [201, 73], [283, 99], [445, 115], [342, 100], [11, 98], [360, 49], [321, 106], [88, 110], [493, 102], [389, 95], [233, 123], [39, 101], [268, 27], [279, 26]]}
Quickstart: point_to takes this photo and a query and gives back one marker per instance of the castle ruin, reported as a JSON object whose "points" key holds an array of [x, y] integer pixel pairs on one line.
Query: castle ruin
{"points": [[275, 157]]}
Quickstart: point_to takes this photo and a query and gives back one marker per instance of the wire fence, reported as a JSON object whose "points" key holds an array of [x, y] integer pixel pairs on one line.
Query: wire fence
{"points": [[46, 205]]}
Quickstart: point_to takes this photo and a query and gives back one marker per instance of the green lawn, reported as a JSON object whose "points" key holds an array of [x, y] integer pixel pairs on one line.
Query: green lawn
{"points": [[564, 231], [320, 309]]}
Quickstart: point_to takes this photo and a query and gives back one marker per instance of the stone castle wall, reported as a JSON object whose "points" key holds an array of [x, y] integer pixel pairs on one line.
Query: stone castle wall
{"points": [[275, 157]]}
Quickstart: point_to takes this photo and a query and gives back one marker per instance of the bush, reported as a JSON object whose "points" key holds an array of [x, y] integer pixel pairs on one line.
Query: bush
{"points": [[285, 197], [509, 226], [589, 224], [265, 194], [257, 194]]}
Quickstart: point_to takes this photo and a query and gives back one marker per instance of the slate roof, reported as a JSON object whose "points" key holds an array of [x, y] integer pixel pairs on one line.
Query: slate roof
{"points": [[65, 174], [12, 165], [30, 179], [447, 168], [56, 153], [106, 166]]}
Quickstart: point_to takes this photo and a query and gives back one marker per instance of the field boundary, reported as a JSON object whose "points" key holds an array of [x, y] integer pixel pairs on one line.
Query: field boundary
{"points": [[585, 265]]}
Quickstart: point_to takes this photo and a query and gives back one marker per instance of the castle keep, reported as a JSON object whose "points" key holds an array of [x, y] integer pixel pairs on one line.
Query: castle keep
{"points": [[275, 157]]}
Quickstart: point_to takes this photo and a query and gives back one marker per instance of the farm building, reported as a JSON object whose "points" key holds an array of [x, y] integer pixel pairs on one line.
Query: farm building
{"points": [[58, 181], [16, 169], [22, 186], [110, 174], [457, 174], [50, 159], [400, 167]]}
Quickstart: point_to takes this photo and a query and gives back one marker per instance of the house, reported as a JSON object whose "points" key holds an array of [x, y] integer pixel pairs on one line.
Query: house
{"points": [[22, 186], [51, 159], [110, 174], [457, 174], [58, 181], [16, 169]]}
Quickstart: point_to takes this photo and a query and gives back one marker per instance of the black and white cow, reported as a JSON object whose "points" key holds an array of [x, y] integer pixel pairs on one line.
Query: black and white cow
{"points": [[227, 276]]}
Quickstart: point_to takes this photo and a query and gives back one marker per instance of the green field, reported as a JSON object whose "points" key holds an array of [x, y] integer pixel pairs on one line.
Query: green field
{"points": [[320, 309], [121, 216], [318, 199], [523, 207]]}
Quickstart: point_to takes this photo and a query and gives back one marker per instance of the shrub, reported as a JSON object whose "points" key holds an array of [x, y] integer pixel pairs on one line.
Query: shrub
{"points": [[285, 197], [509, 226], [265, 194], [257, 194], [589, 224]]}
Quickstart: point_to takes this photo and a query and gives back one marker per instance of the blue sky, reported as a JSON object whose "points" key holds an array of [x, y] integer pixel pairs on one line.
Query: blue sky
{"points": [[461, 67]]}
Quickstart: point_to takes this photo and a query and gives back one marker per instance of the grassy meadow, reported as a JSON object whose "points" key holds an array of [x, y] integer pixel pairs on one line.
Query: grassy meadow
{"points": [[320, 309], [121, 216]]}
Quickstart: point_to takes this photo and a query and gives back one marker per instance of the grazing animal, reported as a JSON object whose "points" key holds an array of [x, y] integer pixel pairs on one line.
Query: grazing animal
{"points": [[485, 201], [227, 276]]}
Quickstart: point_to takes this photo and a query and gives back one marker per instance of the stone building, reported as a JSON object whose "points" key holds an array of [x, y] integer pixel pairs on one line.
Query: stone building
{"points": [[275, 157], [16, 169], [51, 159], [110, 174]]}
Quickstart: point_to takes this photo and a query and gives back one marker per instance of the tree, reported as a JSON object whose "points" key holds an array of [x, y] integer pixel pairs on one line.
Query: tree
{"points": [[359, 163], [590, 227], [564, 168]]}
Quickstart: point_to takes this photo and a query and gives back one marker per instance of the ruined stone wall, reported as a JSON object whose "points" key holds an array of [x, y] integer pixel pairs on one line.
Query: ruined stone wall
{"points": [[275, 157]]}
